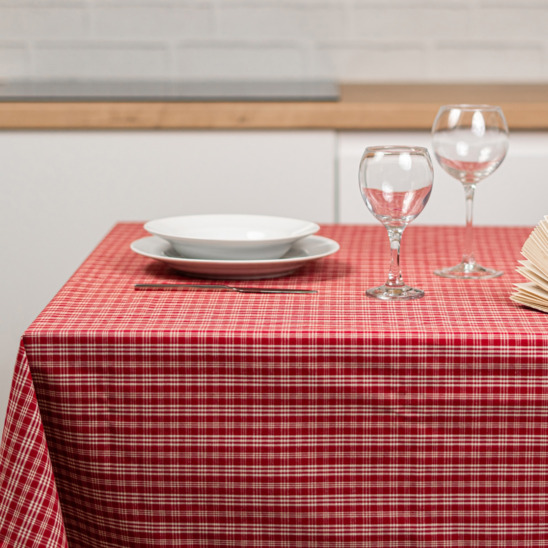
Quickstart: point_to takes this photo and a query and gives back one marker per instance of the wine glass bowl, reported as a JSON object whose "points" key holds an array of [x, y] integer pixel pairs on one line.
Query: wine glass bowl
{"points": [[470, 142], [395, 184]]}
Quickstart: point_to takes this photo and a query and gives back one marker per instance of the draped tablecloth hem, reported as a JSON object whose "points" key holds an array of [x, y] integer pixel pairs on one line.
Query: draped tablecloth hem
{"points": [[30, 513]]}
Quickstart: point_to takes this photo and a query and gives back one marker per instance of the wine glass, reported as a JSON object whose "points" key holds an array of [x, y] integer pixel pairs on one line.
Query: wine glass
{"points": [[470, 142], [395, 183]]}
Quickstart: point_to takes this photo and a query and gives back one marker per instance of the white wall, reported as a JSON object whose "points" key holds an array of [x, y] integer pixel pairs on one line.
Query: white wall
{"points": [[516, 194], [346, 40]]}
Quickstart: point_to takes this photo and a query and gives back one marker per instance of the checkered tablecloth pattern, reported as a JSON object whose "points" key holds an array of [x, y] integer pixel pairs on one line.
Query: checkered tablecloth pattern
{"points": [[206, 419]]}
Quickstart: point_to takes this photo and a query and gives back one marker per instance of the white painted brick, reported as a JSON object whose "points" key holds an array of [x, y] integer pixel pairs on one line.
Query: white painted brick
{"points": [[105, 60], [299, 23], [13, 23], [161, 22], [358, 40], [370, 62], [312, 4], [418, 23], [130, 4], [510, 23], [14, 60], [67, 21], [488, 62], [390, 4], [240, 61], [496, 4], [57, 22]]}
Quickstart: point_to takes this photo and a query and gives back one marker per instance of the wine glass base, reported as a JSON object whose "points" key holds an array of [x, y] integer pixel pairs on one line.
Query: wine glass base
{"points": [[468, 271], [402, 293]]}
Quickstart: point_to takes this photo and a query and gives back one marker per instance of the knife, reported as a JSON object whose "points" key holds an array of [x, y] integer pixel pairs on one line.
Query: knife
{"points": [[224, 287]]}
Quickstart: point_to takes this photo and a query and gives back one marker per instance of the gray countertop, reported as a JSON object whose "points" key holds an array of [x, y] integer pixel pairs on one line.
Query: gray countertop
{"points": [[199, 91]]}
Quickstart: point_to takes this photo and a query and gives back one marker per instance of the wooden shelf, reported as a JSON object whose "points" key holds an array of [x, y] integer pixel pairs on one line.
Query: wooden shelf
{"points": [[361, 107]]}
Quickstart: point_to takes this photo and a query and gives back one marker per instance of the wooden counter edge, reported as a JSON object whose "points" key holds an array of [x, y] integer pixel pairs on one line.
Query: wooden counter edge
{"points": [[246, 115]]}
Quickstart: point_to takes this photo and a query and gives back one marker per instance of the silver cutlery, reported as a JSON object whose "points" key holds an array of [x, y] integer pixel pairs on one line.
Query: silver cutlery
{"points": [[224, 287]]}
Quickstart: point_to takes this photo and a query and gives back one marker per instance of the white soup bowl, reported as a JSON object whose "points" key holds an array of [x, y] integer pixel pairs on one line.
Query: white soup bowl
{"points": [[231, 237]]}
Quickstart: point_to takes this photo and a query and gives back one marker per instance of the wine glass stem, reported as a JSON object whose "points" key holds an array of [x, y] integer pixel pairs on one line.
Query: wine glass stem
{"points": [[468, 256], [394, 275]]}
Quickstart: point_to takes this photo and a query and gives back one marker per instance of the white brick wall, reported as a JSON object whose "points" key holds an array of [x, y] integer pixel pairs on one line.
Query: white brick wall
{"points": [[347, 40]]}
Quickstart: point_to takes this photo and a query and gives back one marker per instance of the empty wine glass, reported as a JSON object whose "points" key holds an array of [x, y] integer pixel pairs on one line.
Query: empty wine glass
{"points": [[395, 183], [470, 142]]}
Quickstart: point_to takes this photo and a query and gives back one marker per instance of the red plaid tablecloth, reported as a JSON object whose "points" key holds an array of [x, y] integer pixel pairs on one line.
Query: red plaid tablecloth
{"points": [[205, 419]]}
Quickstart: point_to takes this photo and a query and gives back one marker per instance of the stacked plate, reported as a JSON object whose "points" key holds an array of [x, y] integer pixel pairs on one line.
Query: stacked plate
{"points": [[234, 246]]}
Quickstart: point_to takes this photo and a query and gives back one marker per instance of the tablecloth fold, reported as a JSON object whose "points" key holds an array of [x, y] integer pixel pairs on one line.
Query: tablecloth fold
{"points": [[30, 513]]}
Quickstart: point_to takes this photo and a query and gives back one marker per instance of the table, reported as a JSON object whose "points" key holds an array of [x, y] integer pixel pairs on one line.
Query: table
{"points": [[204, 419]]}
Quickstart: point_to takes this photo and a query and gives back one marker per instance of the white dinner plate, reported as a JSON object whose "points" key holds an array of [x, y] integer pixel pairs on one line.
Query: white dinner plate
{"points": [[305, 250]]}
